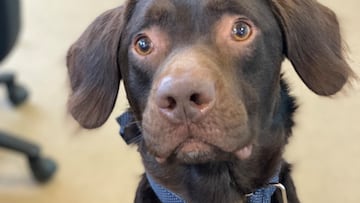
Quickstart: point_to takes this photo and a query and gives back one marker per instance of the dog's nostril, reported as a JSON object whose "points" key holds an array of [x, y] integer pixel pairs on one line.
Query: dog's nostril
{"points": [[171, 103], [202, 100], [166, 102], [197, 99]]}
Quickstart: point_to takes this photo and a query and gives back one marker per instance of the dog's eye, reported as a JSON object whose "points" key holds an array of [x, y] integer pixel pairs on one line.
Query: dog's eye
{"points": [[241, 31], [143, 45]]}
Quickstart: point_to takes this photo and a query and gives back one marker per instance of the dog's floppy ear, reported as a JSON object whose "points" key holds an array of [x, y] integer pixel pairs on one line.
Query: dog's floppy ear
{"points": [[313, 44], [93, 69]]}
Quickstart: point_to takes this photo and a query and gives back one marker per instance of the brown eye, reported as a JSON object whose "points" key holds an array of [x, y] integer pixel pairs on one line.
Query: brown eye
{"points": [[241, 31], [143, 45]]}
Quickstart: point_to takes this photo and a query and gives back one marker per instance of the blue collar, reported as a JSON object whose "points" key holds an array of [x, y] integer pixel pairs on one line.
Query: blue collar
{"points": [[262, 195], [130, 132], [164, 195]]}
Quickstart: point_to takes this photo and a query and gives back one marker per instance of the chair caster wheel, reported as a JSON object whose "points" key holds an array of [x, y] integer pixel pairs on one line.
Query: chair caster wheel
{"points": [[42, 169], [17, 94]]}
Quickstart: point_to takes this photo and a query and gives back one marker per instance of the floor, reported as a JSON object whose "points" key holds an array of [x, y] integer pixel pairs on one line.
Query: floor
{"points": [[96, 166]]}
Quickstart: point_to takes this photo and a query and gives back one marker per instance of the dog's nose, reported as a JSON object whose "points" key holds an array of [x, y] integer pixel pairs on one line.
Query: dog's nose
{"points": [[188, 97]]}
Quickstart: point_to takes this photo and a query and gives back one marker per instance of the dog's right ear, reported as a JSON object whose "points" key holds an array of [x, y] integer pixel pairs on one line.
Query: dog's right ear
{"points": [[93, 69]]}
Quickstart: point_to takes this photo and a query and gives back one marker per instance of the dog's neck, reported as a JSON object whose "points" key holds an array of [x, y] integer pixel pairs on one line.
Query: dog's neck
{"points": [[228, 181], [260, 195]]}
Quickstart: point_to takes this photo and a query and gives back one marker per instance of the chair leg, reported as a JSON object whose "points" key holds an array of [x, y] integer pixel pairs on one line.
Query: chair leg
{"points": [[15, 144], [16, 93], [42, 168]]}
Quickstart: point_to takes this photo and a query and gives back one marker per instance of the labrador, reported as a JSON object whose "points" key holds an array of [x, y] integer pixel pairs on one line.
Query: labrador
{"points": [[207, 98]]}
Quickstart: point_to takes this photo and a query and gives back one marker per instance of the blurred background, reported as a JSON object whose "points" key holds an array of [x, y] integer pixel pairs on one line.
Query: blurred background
{"points": [[96, 166]]}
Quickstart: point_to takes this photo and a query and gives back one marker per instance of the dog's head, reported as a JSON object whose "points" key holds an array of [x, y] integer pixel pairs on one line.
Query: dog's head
{"points": [[203, 77]]}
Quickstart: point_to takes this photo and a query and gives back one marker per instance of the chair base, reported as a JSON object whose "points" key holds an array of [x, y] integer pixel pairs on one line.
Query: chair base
{"points": [[17, 94], [42, 168]]}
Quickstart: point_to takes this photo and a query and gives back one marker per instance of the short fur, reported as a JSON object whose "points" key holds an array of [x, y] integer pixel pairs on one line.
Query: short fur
{"points": [[247, 102]]}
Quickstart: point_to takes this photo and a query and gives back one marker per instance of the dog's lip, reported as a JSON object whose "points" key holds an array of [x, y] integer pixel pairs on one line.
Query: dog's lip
{"points": [[189, 145], [160, 160], [193, 145], [245, 152]]}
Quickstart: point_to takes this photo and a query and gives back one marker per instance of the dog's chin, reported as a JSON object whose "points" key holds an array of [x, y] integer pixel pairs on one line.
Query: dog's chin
{"points": [[198, 152]]}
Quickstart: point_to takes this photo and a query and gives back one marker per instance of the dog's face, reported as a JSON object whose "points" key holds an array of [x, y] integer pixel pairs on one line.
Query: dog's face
{"points": [[209, 74], [203, 77]]}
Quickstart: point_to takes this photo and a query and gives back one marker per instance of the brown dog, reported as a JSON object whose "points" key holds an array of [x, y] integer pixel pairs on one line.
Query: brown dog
{"points": [[204, 85]]}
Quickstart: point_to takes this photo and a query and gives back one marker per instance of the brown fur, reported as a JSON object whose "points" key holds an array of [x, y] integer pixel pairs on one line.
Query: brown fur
{"points": [[236, 95]]}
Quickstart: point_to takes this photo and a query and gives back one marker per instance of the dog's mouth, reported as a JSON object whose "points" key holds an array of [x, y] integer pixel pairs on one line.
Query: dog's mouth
{"points": [[222, 133], [195, 151]]}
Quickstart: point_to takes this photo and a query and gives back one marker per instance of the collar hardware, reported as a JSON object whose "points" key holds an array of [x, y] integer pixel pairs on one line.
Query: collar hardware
{"points": [[129, 129], [282, 189]]}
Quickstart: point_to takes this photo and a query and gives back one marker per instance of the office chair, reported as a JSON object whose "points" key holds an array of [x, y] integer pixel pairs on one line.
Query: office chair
{"points": [[42, 168]]}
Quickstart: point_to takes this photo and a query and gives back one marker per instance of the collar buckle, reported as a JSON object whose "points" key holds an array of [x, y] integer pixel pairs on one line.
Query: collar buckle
{"points": [[282, 189], [264, 194]]}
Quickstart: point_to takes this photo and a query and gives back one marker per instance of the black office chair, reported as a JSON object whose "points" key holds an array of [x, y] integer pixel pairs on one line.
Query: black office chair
{"points": [[42, 168]]}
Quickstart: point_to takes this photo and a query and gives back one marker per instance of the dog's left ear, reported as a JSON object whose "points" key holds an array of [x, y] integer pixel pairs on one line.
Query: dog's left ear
{"points": [[93, 69], [313, 44]]}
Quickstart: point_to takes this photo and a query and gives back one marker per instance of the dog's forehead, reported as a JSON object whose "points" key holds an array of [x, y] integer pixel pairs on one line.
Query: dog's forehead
{"points": [[194, 14]]}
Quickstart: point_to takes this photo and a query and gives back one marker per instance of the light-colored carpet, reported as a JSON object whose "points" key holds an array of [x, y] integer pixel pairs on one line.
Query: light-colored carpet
{"points": [[96, 166]]}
